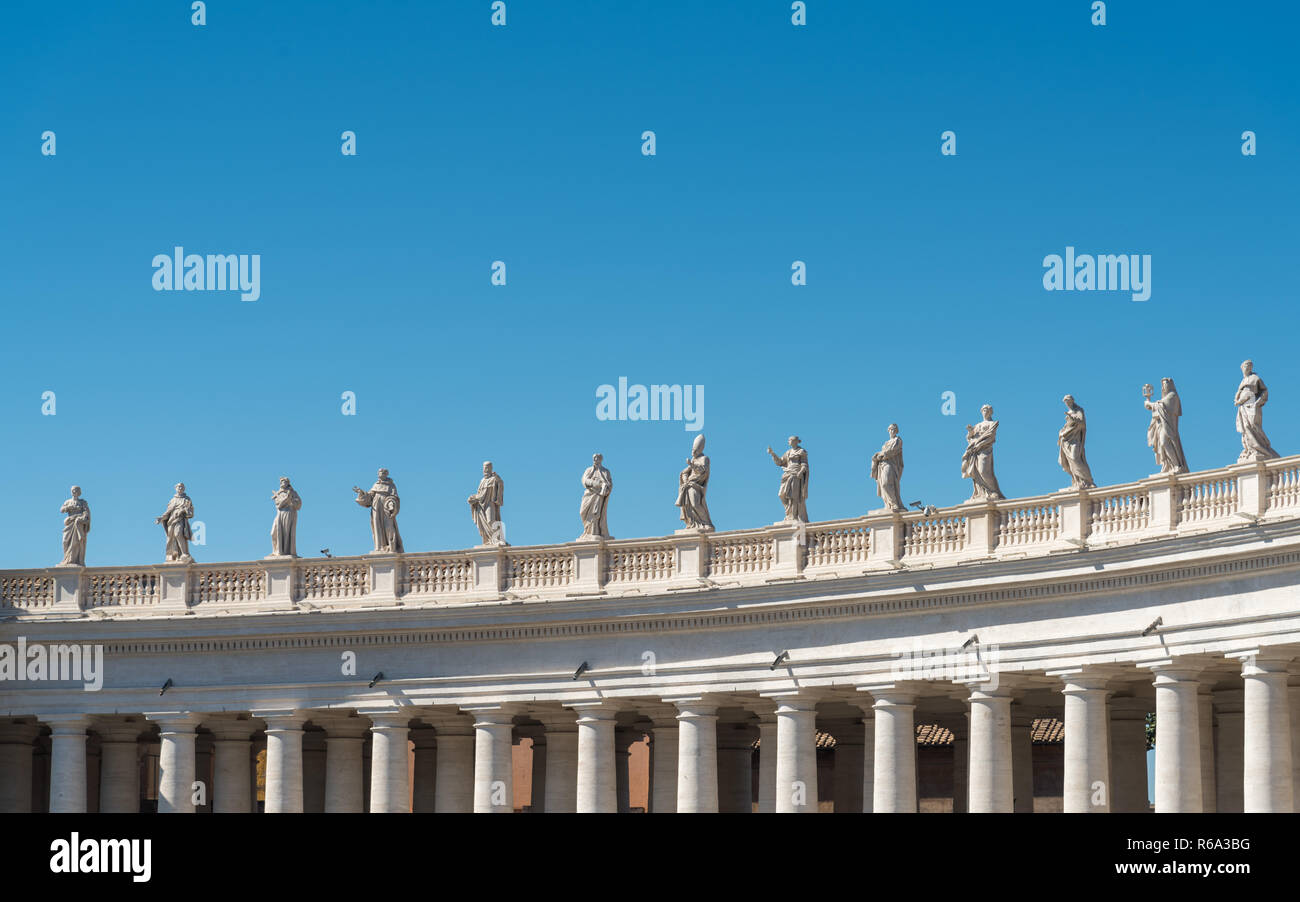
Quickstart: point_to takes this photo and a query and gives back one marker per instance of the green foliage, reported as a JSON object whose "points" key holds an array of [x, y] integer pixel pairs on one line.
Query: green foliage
{"points": [[1151, 730]]}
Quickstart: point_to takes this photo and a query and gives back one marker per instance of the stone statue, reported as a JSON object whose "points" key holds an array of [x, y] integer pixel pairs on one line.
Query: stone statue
{"points": [[1251, 397], [977, 459], [794, 480], [1070, 441], [75, 527], [692, 483], [384, 504], [594, 510], [1162, 434], [485, 506], [175, 521], [887, 470], [284, 531]]}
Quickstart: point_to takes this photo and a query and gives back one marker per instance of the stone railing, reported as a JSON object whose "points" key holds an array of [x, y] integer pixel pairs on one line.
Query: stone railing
{"points": [[1159, 506]]}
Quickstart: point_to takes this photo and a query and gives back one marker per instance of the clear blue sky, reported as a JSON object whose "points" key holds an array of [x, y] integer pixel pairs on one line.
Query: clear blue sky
{"points": [[523, 144]]}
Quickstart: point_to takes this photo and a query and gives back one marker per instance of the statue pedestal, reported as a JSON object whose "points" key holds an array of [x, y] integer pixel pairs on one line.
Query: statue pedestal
{"points": [[68, 583], [280, 579], [385, 576], [174, 586]]}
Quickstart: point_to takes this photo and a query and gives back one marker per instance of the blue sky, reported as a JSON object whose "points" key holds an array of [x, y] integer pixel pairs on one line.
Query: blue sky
{"points": [[523, 144]]}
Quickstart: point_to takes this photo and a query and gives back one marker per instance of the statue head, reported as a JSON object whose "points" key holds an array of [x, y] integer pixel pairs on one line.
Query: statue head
{"points": [[893, 430], [794, 441], [697, 446], [487, 468], [284, 482], [383, 474], [1247, 367], [987, 411], [1069, 401], [76, 491], [596, 459], [180, 488], [1167, 386]]}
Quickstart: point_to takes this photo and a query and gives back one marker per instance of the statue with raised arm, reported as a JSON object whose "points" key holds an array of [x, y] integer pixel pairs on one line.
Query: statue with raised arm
{"points": [[1162, 434], [284, 529], [485, 506], [175, 521], [597, 485], [887, 471], [692, 483], [794, 480], [384, 504], [1070, 441], [75, 527], [1251, 397], [977, 459]]}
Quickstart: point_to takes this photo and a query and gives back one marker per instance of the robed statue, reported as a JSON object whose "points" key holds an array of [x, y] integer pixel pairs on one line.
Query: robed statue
{"points": [[1162, 433], [384, 504], [977, 459], [76, 524], [597, 485], [887, 471], [1070, 441], [692, 483], [794, 480], [284, 529], [485, 506], [1251, 397], [175, 521]]}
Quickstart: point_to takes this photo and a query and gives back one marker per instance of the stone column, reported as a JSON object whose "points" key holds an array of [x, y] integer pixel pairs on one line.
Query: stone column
{"points": [[735, 758], [344, 775], [1086, 784], [624, 736], [766, 759], [390, 791], [847, 780], [596, 793], [869, 757], [175, 762], [1293, 693], [1205, 719], [454, 791], [1267, 740], [1229, 769], [1022, 759], [960, 729], [426, 769], [561, 761], [991, 788], [283, 760], [537, 773], [894, 787], [494, 772], [67, 763], [92, 772], [697, 756], [1178, 740], [796, 754], [1128, 755], [664, 743], [119, 749], [17, 740], [231, 765], [313, 770]]}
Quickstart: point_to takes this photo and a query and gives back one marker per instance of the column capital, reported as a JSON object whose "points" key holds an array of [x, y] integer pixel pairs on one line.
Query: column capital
{"points": [[118, 729], [1127, 707], [892, 694], [1261, 661], [342, 726], [1175, 670], [174, 721], [282, 720], [794, 701], [695, 708], [494, 716], [1090, 677], [448, 724], [386, 718], [65, 724]]}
